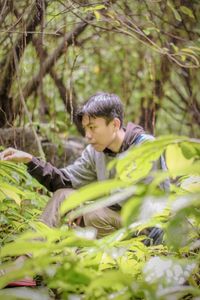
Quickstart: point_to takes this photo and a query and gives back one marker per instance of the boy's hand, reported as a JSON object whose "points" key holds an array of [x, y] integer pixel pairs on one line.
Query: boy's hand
{"points": [[14, 155]]}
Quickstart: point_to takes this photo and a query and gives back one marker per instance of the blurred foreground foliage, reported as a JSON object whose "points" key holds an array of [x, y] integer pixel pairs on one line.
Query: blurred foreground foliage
{"points": [[74, 265]]}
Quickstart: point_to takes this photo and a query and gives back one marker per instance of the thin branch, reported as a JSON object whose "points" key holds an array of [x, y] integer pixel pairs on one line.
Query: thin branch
{"points": [[51, 59], [18, 47], [169, 112], [176, 104], [30, 9], [179, 93], [26, 109], [71, 88], [30, 32], [4, 12]]}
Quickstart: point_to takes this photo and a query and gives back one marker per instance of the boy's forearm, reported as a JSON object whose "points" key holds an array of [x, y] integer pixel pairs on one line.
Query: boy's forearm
{"points": [[49, 176]]}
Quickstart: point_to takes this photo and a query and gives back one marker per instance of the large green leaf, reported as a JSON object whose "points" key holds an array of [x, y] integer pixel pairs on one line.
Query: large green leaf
{"points": [[91, 192], [187, 11], [118, 197], [11, 192], [174, 10]]}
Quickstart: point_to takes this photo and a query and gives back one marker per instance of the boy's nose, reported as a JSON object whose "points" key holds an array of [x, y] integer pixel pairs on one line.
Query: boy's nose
{"points": [[88, 135]]}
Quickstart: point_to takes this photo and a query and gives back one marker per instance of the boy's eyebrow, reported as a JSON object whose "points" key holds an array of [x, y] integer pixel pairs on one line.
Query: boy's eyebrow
{"points": [[88, 124]]}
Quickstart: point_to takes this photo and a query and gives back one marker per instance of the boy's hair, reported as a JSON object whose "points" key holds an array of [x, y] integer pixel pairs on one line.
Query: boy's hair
{"points": [[105, 105]]}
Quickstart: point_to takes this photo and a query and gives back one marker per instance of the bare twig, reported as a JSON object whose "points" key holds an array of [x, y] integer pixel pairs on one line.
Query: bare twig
{"points": [[174, 102], [51, 59], [71, 89], [26, 109]]}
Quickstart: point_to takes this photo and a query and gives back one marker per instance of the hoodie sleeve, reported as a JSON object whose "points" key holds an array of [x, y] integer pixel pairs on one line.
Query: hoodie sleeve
{"points": [[49, 176], [80, 173], [83, 170]]}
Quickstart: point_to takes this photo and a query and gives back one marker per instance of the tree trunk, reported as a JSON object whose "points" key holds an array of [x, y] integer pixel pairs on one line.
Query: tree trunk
{"points": [[8, 68]]}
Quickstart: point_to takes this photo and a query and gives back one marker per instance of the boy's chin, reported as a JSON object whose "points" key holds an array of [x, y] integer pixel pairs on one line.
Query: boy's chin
{"points": [[98, 148]]}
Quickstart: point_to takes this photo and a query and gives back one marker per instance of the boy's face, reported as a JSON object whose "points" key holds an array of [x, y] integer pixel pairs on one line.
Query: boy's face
{"points": [[99, 134]]}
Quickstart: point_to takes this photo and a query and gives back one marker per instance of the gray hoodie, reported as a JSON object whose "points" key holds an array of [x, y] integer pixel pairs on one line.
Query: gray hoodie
{"points": [[91, 166]]}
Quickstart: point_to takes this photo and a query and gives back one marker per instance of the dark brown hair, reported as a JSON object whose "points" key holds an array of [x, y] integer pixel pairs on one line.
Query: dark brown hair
{"points": [[105, 105]]}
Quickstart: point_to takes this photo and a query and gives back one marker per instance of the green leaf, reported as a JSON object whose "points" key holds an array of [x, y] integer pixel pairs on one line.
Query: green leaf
{"points": [[188, 150], [148, 30], [176, 49], [118, 197], [188, 50], [110, 278], [96, 7], [180, 229], [131, 210], [4, 174], [2, 196], [11, 192], [191, 184], [21, 248], [195, 48], [193, 169], [175, 12], [187, 11], [97, 15], [175, 159], [91, 192]]}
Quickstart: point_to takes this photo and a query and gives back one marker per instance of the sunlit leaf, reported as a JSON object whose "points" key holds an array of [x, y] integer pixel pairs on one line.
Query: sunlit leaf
{"points": [[191, 184], [174, 10], [187, 11], [95, 8], [175, 159], [97, 15], [188, 50], [11, 192], [131, 210], [91, 192], [119, 197]]}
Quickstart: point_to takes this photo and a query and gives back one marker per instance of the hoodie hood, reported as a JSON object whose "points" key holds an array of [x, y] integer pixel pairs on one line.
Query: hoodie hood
{"points": [[132, 131]]}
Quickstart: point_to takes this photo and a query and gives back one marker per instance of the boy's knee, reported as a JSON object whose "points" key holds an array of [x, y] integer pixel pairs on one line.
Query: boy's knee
{"points": [[94, 217], [104, 220], [63, 192]]}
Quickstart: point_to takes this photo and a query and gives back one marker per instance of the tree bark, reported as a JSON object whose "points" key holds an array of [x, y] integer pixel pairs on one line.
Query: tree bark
{"points": [[8, 69], [65, 96], [151, 106]]}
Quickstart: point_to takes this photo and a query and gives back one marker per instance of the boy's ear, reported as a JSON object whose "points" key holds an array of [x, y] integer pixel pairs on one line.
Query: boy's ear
{"points": [[116, 123]]}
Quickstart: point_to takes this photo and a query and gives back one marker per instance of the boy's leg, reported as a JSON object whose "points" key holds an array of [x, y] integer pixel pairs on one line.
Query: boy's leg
{"points": [[50, 215], [104, 220]]}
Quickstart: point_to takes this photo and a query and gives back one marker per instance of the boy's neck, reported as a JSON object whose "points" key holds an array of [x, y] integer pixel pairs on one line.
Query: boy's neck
{"points": [[117, 143]]}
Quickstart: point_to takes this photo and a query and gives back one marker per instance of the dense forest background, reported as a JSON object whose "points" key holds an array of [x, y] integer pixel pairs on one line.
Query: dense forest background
{"points": [[55, 54]]}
